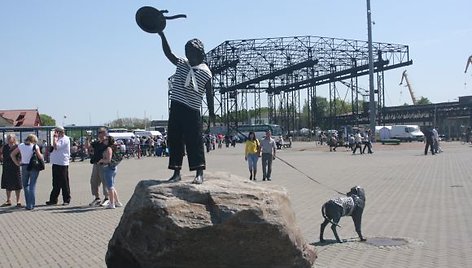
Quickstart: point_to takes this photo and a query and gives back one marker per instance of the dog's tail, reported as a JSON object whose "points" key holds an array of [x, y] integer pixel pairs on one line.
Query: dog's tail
{"points": [[323, 212]]}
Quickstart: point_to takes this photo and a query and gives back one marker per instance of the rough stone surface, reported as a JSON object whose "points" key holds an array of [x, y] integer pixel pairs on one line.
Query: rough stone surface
{"points": [[225, 222]]}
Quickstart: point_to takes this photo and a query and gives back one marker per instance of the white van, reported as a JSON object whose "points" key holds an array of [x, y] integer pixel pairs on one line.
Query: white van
{"points": [[407, 133], [147, 133], [122, 135], [382, 133]]}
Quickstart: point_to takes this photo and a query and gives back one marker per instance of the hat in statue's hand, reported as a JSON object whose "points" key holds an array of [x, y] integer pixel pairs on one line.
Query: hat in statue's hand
{"points": [[150, 20]]}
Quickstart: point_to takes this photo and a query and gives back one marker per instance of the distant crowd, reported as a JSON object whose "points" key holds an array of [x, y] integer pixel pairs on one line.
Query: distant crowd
{"points": [[352, 142]]}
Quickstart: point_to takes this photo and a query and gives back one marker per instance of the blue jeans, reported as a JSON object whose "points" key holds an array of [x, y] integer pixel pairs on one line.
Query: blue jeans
{"points": [[29, 178], [252, 161], [109, 173]]}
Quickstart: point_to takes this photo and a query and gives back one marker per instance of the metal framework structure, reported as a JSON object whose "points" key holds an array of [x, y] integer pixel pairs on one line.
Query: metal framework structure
{"points": [[288, 69]]}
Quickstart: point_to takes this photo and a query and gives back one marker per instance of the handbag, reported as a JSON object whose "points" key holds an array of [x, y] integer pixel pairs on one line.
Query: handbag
{"points": [[35, 163]]}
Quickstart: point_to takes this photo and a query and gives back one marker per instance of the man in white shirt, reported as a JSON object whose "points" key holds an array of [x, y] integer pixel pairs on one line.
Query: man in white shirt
{"points": [[358, 139], [60, 167], [268, 149]]}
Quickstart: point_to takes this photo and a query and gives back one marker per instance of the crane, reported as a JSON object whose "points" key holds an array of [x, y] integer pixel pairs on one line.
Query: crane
{"points": [[469, 61], [405, 77]]}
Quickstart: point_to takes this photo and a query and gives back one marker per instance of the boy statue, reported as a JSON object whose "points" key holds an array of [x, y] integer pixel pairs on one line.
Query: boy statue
{"points": [[191, 80]]}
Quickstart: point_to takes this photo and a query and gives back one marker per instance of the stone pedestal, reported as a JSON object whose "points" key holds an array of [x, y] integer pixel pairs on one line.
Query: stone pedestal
{"points": [[227, 221]]}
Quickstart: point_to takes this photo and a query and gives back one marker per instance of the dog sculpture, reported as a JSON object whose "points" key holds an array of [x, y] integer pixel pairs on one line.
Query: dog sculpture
{"points": [[350, 205]]}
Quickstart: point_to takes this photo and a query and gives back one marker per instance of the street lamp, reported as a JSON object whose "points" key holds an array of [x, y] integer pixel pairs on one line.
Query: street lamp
{"points": [[372, 113]]}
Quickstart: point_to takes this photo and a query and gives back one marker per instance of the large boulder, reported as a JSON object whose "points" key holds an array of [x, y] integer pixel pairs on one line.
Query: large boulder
{"points": [[225, 222]]}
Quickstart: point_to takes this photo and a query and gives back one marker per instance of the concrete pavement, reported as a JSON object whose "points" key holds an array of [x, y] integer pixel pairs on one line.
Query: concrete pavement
{"points": [[424, 200]]}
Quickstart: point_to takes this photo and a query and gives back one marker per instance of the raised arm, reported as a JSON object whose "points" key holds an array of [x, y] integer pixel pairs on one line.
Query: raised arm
{"points": [[166, 48]]}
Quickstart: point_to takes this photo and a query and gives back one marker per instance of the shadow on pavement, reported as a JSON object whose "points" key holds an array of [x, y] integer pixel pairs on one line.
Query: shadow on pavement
{"points": [[9, 210], [70, 209], [329, 242]]}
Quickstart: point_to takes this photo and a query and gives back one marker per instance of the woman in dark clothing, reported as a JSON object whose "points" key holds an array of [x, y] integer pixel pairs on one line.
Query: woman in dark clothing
{"points": [[11, 178]]}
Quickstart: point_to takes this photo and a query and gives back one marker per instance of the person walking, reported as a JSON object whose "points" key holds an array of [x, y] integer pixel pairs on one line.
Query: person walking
{"points": [[429, 141], [251, 154], [358, 142], [28, 177], [268, 149], [367, 142], [59, 158], [11, 176], [332, 142], [109, 164], [191, 80], [96, 150]]}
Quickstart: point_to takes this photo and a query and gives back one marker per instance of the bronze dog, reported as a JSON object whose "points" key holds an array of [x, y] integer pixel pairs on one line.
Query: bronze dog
{"points": [[351, 205]]}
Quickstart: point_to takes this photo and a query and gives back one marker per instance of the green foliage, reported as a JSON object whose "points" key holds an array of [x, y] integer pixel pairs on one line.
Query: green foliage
{"points": [[319, 111], [129, 123], [244, 115], [47, 120], [423, 101]]}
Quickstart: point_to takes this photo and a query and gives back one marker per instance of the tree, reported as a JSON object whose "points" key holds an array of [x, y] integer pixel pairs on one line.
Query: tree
{"points": [[342, 107], [47, 120], [423, 101], [320, 110], [129, 123]]}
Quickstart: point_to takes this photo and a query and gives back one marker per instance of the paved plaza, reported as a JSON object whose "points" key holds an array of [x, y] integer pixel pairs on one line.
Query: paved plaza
{"points": [[421, 200]]}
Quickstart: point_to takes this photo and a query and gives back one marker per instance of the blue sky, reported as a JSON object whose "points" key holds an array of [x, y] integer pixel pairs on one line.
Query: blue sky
{"points": [[90, 61]]}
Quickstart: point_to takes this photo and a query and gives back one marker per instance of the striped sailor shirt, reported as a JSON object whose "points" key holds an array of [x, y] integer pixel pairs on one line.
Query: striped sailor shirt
{"points": [[183, 89]]}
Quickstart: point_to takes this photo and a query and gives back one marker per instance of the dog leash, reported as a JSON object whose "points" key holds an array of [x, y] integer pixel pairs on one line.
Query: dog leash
{"points": [[309, 177]]}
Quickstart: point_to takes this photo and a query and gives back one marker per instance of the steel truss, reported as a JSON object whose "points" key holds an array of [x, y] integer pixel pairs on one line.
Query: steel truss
{"points": [[287, 68]]}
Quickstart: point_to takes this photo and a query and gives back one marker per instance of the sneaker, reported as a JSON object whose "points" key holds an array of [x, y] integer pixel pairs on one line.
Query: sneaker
{"points": [[105, 202], [95, 202], [174, 179], [110, 205], [198, 180], [50, 203], [118, 204], [65, 203]]}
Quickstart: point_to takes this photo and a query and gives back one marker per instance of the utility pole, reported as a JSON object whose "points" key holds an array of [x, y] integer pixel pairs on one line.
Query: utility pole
{"points": [[372, 112]]}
